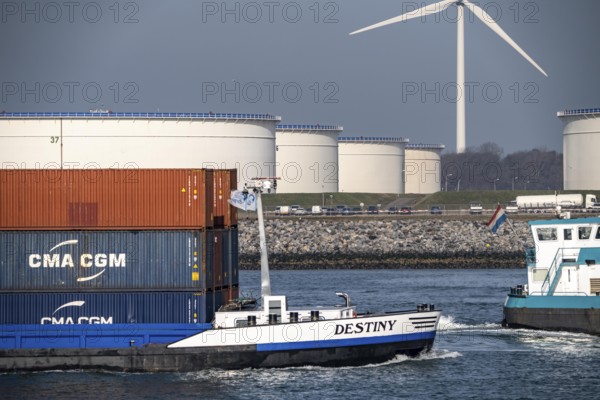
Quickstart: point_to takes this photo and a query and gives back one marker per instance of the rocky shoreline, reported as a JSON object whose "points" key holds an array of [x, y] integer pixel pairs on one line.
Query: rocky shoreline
{"points": [[371, 243]]}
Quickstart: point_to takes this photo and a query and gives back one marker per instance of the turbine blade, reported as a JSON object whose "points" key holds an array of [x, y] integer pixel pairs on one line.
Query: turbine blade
{"points": [[493, 25], [420, 12]]}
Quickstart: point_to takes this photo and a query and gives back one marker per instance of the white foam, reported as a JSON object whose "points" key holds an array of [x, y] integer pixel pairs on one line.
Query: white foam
{"points": [[284, 374], [448, 323]]}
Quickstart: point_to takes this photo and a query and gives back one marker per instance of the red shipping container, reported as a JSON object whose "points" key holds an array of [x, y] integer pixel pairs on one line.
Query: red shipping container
{"points": [[225, 215], [106, 199]]}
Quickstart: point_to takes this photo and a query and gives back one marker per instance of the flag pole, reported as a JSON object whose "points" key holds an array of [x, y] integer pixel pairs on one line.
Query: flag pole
{"points": [[512, 227]]}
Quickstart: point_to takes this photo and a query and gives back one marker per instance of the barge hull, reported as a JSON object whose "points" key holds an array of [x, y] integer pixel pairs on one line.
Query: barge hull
{"points": [[159, 358], [581, 320]]}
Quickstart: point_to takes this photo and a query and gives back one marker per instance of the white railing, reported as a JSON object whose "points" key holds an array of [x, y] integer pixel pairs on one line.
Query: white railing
{"points": [[554, 272], [582, 111], [157, 115], [300, 127]]}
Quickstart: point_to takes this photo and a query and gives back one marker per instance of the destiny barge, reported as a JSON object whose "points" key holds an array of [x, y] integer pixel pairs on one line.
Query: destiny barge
{"points": [[241, 334], [563, 279]]}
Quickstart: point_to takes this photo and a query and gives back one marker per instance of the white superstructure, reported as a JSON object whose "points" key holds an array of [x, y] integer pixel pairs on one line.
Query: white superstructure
{"points": [[581, 141], [307, 158], [563, 261], [140, 140], [422, 168], [371, 164]]}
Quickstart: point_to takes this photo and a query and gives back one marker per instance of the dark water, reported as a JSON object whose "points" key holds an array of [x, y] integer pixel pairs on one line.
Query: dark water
{"points": [[473, 356]]}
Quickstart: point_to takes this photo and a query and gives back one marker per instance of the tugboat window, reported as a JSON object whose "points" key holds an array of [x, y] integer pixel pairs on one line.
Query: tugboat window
{"points": [[585, 232], [598, 233], [568, 234], [546, 233], [539, 274]]}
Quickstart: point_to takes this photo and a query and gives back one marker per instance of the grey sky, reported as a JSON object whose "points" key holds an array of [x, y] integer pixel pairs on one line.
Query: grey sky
{"points": [[180, 55]]}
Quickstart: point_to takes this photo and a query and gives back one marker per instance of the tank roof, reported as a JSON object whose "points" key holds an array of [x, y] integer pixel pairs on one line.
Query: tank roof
{"points": [[420, 146], [582, 111], [369, 139], [106, 114], [318, 127]]}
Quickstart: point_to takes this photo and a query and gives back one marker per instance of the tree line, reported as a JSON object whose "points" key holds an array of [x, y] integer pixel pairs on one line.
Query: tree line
{"points": [[485, 168]]}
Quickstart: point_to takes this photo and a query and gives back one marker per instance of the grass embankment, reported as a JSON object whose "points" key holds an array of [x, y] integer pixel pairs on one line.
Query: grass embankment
{"points": [[488, 198], [448, 200], [307, 200]]}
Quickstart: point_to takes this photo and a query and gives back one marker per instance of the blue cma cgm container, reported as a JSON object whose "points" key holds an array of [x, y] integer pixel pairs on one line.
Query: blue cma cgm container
{"points": [[105, 308], [222, 255], [230, 251], [105, 260]]}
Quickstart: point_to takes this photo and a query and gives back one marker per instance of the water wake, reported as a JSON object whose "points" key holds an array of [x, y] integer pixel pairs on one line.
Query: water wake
{"points": [[448, 323]]}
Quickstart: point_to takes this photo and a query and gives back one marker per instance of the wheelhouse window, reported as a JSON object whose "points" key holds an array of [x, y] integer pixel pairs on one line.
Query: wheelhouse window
{"points": [[568, 234], [585, 232], [546, 234], [539, 274], [598, 233]]}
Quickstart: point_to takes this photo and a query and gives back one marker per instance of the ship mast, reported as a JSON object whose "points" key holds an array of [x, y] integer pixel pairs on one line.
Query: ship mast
{"points": [[257, 187]]}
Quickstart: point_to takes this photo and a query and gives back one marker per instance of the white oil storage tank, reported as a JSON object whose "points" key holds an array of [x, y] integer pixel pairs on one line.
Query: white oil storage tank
{"points": [[307, 158], [104, 139], [371, 164], [581, 145], [422, 168]]}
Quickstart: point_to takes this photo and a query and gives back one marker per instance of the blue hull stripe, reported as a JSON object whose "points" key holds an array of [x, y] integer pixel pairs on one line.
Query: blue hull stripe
{"points": [[322, 344]]}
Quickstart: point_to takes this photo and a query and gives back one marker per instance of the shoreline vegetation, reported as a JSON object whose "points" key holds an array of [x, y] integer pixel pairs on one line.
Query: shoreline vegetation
{"points": [[401, 243]]}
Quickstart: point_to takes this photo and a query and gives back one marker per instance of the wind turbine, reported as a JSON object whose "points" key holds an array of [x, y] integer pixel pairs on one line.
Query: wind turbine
{"points": [[460, 52]]}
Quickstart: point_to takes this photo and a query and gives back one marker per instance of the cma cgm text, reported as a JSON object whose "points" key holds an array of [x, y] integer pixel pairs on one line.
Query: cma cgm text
{"points": [[85, 260]]}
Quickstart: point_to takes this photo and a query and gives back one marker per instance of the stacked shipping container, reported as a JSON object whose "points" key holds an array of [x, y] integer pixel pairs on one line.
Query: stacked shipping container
{"points": [[106, 199], [225, 248], [116, 246]]}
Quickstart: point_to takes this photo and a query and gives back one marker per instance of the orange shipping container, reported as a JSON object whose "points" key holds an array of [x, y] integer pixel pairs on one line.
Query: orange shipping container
{"points": [[225, 215], [106, 199]]}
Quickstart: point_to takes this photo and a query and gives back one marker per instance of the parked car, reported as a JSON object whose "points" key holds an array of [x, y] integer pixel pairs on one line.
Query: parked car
{"points": [[293, 208], [317, 210], [299, 211], [392, 210], [475, 207], [372, 210], [436, 210], [282, 210], [357, 210], [406, 211], [339, 209]]}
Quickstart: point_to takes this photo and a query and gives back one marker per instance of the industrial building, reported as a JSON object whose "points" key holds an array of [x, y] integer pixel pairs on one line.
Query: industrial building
{"points": [[581, 141], [371, 164], [422, 168], [140, 140], [307, 158]]}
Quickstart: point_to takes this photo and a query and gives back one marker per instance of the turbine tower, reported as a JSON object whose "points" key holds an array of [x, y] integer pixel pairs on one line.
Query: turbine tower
{"points": [[460, 50]]}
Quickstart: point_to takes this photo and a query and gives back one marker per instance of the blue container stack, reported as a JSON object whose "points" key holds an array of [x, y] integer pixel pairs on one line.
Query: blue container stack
{"points": [[113, 288]]}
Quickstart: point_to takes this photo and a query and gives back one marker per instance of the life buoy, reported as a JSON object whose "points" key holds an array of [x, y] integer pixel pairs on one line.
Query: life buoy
{"points": [[353, 313]]}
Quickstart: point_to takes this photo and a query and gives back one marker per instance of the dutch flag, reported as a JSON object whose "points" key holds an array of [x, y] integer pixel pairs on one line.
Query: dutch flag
{"points": [[497, 219]]}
